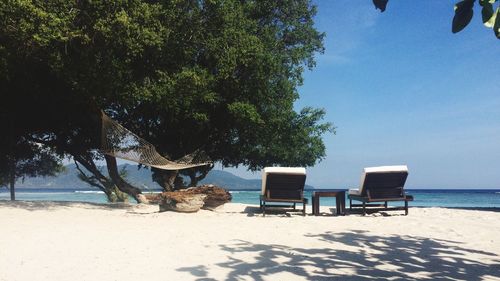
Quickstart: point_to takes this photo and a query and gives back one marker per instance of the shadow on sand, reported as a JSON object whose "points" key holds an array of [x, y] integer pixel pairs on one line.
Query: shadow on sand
{"points": [[487, 209], [357, 255], [58, 205], [252, 211]]}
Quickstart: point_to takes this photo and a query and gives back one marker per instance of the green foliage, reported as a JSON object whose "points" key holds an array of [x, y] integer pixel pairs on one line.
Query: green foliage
{"points": [[220, 76], [27, 159], [487, 13], [230, 92], [491, 17], [380, 4], [464, 11], [463, 15]]}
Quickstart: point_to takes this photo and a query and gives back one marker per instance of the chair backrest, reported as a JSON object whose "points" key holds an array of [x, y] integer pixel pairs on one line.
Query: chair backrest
{"points": [[283, 182], [384, 181]]}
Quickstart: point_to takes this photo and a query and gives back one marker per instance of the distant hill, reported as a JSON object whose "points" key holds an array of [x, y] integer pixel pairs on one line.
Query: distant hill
{"points": [[139, 177], [69, 178], [230, 181]]}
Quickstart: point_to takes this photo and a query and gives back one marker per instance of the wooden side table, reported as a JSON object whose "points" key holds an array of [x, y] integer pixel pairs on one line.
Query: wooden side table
{"points": [[339, 200]]}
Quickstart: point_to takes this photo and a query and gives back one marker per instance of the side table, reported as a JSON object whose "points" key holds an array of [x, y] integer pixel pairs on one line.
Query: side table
{"points": [[339, 200]]}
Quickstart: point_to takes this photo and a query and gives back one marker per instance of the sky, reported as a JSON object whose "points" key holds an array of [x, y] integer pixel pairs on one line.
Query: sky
{"points": [[401, 89]]}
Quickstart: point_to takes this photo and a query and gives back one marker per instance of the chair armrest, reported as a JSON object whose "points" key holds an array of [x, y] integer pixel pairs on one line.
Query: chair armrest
{"points": [[353, 191]]}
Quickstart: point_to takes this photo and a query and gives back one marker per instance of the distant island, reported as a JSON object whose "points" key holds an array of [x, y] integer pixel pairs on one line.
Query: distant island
{"points": [[140, 178]]}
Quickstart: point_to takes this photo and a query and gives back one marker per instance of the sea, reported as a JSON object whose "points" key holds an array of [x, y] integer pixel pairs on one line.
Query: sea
{"points": [[459, 198]]}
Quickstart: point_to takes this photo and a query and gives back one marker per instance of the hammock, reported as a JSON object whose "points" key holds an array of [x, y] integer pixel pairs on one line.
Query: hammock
{"points": [[121, 143]]}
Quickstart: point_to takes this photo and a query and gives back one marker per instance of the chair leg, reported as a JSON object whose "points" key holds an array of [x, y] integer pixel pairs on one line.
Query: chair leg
{"points": [[294, 206], [264, 208], [350, 204], [342, 205], [337, 204], [303, 209], [364, 209], [385, 204], [406, 208], [316, 205]]}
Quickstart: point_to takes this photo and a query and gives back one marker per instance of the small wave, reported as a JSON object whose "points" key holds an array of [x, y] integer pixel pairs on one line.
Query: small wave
{"points": [[497, 192], [89, 191]]}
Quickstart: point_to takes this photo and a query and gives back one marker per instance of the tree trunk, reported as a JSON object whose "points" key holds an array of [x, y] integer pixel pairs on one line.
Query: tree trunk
{"points": [[121, 183], [98, 179], [192, 173], [12, 177], [192, 177], [103, 183], [165, 178]]}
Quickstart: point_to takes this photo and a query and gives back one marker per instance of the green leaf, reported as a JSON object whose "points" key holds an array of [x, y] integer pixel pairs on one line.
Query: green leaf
{"points": [[463, 15], [488, 13], [496, 27], [485, 2], [380, 4]]}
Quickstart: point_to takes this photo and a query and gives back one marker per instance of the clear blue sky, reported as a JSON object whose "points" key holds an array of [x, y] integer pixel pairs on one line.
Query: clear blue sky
{"points": [[402, 89]]}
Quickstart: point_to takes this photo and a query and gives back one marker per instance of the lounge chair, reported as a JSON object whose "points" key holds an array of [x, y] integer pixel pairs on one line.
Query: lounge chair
{"points": [[381, 184], [283, 185]]}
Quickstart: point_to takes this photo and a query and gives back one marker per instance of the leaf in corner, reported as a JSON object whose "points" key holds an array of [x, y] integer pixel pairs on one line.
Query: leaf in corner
{"points": [[463, 15], [380, 4], [496, 27], [487, 13]]}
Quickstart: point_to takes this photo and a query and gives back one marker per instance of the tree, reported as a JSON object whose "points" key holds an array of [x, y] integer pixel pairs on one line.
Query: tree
{"points": [[464, 10], [235, 103], [215, 76], [26, 159]]}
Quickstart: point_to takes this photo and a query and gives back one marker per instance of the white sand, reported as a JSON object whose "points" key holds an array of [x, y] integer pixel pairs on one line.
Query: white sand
{"points": [[77, 241]]}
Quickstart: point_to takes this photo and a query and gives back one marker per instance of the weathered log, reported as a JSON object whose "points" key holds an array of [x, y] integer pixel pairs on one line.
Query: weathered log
{"points": [[188, 200], [181, 202], [216, 196], [153, 198]]}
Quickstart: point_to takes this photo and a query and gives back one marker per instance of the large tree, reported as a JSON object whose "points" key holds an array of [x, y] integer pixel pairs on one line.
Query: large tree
{"points": [[216, 76], [231, 87]]}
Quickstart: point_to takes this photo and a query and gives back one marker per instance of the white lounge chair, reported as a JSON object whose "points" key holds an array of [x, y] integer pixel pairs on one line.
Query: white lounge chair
{"points": [[283, 185], [381, 184]]}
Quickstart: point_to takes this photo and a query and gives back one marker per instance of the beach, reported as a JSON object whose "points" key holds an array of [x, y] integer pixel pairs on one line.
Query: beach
{"points": [[46, 240]]}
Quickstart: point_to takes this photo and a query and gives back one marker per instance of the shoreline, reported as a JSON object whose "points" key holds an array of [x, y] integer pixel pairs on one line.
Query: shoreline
{"points": [[326, 210], [90, 241], [467, 199]]}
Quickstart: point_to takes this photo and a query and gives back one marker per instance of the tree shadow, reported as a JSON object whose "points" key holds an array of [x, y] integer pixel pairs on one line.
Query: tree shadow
{"points": [[200, 271], [59, 205], [375, 212], [488, 209], [358, 255], [252, 211]]}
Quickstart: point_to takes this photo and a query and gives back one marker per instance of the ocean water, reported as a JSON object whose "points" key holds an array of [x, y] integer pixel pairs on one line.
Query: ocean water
{"points": [[466, 198]]}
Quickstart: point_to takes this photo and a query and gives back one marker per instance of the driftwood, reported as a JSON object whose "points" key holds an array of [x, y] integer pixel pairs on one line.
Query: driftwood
{"points": [[181, 202], [192, 199]]}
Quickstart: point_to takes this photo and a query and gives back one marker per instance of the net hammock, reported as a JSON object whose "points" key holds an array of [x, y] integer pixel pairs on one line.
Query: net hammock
{"points": [[119, 142]]}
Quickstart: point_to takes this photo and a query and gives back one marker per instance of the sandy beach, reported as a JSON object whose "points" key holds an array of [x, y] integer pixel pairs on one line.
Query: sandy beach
{"points": [[83, 241]]}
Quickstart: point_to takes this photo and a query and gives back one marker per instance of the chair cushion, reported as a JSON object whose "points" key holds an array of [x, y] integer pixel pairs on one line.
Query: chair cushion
{"points": [[380, 169], [280, 170]]}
